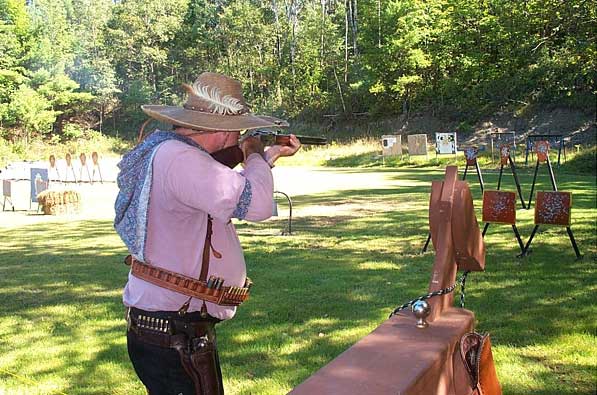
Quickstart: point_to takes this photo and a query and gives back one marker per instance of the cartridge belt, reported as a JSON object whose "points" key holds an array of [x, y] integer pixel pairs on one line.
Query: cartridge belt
{"points": [[212, 290], [168, 330]]}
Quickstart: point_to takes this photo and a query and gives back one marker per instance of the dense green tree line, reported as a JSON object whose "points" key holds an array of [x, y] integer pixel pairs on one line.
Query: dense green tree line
{"points": [[93, 62]]}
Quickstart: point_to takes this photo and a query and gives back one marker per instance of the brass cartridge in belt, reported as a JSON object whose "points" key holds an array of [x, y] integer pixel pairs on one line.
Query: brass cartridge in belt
{"points": [[214, 286], [213, 290]]}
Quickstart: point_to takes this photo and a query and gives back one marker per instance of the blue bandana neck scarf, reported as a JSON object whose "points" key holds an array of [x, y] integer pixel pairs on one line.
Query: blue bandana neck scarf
{"points": [[134, 182]]}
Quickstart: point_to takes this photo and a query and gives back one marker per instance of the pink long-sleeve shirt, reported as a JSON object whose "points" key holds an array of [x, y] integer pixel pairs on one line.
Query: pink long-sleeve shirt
{"points": [[188, 184]]}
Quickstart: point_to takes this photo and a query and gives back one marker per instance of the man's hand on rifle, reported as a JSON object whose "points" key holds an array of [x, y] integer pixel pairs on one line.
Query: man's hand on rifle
{"points": [[276, 151], [251, 145]]}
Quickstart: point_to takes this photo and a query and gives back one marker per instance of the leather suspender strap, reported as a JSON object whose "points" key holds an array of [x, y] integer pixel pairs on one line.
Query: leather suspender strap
{"points": [[204, 268], [211, 291], [206, 248]]}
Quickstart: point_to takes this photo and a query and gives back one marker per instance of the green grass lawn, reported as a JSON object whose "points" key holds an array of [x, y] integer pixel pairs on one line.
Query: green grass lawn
{"points": [[353, 257]]}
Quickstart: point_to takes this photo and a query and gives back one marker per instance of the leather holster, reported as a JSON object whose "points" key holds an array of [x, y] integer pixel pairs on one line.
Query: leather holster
{"points": [[476, 359], [198, 357]]}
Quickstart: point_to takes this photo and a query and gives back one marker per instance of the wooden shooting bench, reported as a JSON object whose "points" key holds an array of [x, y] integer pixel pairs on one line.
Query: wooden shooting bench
{"points": [[398, 357]]}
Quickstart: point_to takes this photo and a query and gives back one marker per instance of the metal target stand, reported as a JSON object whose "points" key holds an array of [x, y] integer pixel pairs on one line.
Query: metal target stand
{"points": [[470, 154], [556, 140], [542, 152], [275, 213], [553, 208], [505, 159]]}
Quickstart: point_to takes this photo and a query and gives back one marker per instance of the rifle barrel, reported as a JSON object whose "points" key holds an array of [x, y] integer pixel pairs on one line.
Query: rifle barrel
{"points": [[270, 138], [283, 139], [308, 140]]}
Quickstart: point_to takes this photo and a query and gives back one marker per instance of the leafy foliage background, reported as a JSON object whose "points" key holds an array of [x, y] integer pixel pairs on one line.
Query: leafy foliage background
{"points": [[94, 62]]}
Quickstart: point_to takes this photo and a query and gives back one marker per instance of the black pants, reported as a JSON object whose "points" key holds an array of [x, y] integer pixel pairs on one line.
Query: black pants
{"points": [[160, 368]]}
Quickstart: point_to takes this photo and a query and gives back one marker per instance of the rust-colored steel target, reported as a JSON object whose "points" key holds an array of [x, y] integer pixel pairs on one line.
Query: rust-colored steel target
{"points": [[471, 153], [499, 207], [504, 154], [553, 208], [542, 150]]}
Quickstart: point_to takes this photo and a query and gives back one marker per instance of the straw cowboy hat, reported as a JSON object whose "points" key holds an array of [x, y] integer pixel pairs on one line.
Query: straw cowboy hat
{"points": [[215, 103]]}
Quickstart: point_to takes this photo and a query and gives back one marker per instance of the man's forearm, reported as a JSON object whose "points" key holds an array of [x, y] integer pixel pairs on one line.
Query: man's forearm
{"points": [[260, 176]]}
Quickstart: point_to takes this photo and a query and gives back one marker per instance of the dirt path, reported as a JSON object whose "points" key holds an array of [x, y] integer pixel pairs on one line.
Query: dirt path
{"points": [[98, 199]]}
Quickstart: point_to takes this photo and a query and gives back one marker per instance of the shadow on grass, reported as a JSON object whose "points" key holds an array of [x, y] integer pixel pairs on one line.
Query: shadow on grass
{"points": [[523, 302], [316, 292]]}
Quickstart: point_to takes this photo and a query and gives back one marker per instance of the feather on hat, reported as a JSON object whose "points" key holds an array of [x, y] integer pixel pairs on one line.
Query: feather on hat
{"points": [[215, 102]]}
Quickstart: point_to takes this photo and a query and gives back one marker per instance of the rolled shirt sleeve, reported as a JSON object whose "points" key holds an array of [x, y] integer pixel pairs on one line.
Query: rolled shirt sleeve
{"points": [[199, 182]]}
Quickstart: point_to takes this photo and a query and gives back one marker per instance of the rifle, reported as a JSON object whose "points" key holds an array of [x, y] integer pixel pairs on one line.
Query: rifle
{"points": [[278, 137], [233, 155]]}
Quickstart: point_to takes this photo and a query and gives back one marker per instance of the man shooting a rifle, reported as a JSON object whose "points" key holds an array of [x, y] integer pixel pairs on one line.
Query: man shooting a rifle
{"points": [[173, 212]]}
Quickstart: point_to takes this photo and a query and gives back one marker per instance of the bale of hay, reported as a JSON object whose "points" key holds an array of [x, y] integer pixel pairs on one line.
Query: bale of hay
{"points": [[59, 202]]}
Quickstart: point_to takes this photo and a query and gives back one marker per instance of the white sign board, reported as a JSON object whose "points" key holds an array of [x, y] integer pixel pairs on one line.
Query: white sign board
{"points": [[445, 143], [392, 145], [388, 142]]}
